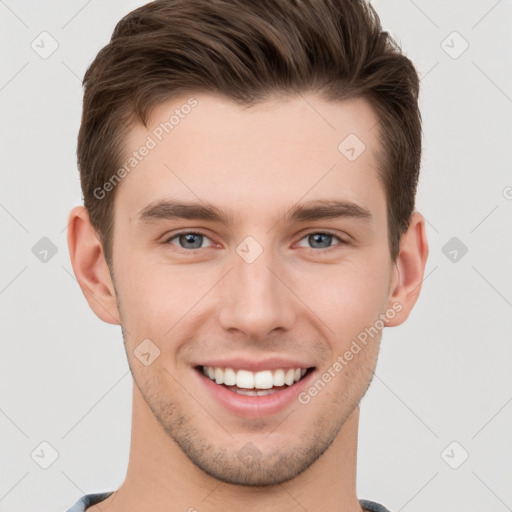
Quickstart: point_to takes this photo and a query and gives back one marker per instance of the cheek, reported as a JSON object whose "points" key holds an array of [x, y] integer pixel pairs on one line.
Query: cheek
{"points": [[154, 297], [347, 297]]}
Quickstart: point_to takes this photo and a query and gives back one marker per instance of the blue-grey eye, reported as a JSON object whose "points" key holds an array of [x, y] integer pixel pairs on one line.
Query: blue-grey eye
{"points": [[189, 240], [320, 240]]}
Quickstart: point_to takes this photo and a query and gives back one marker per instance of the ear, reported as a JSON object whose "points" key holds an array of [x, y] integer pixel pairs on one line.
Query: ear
{"points": [[90, 267], [409, 269]]}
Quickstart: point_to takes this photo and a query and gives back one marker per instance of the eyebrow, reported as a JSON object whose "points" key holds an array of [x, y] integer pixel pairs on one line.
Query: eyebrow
{"points": [[309, 211]]}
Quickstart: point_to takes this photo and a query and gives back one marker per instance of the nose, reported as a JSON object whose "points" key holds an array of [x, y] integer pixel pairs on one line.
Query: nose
{"points": [[256, 299]]}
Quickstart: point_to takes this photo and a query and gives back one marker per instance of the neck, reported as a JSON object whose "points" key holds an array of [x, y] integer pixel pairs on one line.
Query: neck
{"points": [[160, 478]]}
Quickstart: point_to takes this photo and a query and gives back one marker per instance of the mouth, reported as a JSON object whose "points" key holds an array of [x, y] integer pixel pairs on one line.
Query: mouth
{"points": [[255, 383]]}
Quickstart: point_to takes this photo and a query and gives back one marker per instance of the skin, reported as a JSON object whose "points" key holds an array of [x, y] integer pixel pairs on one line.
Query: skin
{"points": [[297, 299]]}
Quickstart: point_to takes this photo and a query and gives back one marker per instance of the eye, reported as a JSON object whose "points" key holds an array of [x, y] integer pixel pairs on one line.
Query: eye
{"points": [[321, 239], [195, 240], [189, 240]]}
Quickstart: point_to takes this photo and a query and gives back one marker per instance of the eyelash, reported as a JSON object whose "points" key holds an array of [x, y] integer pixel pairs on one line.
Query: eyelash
{"points": [[322, 232]]}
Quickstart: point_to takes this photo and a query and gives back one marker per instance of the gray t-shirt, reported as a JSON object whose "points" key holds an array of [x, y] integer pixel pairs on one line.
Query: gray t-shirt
{"points": [[91, 499]]}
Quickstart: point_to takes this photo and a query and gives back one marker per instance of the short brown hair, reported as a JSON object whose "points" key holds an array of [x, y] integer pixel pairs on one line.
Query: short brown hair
{"points": [[246, 50]]}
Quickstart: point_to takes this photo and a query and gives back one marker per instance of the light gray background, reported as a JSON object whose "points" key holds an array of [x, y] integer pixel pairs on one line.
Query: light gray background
{"points": [[443, 376]]}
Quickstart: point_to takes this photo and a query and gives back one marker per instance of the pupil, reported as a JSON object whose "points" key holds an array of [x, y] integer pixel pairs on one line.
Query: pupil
{"points": [[317, 238], [190, 238]]}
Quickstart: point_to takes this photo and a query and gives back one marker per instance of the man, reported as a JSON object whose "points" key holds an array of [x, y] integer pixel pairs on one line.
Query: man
{"points": [[249, 172]]}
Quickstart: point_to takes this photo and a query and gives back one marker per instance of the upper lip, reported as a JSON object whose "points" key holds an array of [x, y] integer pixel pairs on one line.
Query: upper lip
{"points": [[242, 363]]}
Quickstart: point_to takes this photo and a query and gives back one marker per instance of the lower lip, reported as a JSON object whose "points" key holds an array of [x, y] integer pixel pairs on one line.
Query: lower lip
{"points": [[254, 406]]}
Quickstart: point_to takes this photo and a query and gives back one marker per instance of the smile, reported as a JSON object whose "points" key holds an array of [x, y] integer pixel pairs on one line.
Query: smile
{"points": [[252, 387], [249, 383]]}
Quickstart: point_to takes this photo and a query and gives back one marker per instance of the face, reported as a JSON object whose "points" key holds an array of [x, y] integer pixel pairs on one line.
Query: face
{"points": [[250, 251]]}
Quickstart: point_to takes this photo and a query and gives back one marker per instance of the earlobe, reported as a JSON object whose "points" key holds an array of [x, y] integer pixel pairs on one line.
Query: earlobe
{"points": [[90, 267], [410, 269]]}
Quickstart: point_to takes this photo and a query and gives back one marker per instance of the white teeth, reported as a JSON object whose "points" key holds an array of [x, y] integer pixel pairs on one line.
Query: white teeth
{"points": [[263, 392], [244, 379], [219, 376], [253, 392], [279, 378], [229, 377], [247, 392], [289, 377], [264, 380]]}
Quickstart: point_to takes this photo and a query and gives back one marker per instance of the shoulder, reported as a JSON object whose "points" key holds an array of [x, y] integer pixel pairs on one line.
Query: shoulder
{"points": [[373, 506], [88, 500]]}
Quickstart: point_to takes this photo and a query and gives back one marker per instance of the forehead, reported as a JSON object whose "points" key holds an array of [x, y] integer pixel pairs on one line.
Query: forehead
{"points": [[253, 158]]}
